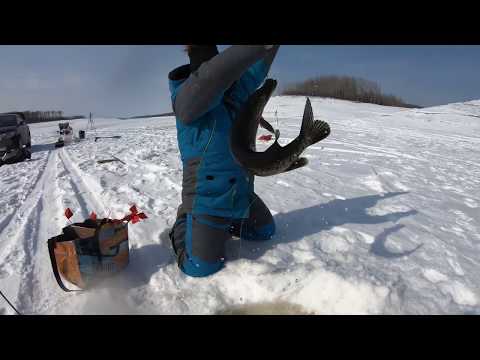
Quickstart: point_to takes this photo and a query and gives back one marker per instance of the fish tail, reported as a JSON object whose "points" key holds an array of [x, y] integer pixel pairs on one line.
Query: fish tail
{"points": [[313, 131]]}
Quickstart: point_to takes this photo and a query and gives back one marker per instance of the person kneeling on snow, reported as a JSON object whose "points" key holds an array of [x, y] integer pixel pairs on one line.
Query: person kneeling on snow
{"points": [[218, 199]]}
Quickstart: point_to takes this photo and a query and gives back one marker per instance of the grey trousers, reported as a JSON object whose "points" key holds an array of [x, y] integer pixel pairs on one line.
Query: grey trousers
{"points": [[199, 240]]}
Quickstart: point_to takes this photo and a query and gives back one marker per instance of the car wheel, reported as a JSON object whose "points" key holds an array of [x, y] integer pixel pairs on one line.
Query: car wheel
{"points": [[27, 152]]}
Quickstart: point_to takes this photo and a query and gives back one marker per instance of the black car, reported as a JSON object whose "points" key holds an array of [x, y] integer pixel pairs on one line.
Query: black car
{"points": [[15, 142]]}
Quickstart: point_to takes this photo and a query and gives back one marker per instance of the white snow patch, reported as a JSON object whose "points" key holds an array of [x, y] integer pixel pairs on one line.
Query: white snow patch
{"points": [[434, 275], [328, 293], [456, 267], [284, 183], [460, 293], [366, 238], [471, 203], [373, 183]]}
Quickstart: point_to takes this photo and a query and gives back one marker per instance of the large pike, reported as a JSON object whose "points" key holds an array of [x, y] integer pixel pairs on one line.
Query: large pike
{"points": [[276, 159]]}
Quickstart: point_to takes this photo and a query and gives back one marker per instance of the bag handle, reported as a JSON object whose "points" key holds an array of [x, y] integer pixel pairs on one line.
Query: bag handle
{"points": [[51, 250]]}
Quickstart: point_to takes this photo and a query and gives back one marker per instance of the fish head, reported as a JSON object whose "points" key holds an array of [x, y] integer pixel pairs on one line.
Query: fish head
{"points": [[255, 106]]}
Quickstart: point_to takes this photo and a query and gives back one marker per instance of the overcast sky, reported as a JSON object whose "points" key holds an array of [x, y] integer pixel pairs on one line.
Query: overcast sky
{"points": [[132, 80]]}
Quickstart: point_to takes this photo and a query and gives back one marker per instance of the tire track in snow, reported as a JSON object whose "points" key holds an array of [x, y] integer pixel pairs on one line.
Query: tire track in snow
{"points": [[28, 234], [17, 218], [38, 282], [30, 238], [85, 195], [39, 292], [40, 219]]}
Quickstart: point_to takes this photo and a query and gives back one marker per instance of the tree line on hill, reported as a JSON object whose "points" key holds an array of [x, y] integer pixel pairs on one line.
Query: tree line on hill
{"points": [[43, 116], [345, 88]]}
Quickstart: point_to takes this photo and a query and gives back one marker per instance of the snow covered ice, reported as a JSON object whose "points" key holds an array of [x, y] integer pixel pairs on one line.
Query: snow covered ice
{"points": [[385, 219]]}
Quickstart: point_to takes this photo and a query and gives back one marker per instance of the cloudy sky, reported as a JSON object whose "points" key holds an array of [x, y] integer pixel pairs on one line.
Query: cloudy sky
{"points": [[132, 80]]}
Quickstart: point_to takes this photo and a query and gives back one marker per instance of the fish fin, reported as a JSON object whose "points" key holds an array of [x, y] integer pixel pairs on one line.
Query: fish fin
{"points": [[320, 131], [301, 162], [277, 135], [313, 131], [266, 125], [307, 121]]}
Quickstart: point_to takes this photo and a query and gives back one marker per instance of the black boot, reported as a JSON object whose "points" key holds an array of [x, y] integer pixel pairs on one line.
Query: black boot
{"points": [[177, 238]]}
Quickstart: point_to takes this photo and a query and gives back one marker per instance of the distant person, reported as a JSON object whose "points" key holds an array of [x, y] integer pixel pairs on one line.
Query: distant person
{"points": [[218, 198], [90, 121]]}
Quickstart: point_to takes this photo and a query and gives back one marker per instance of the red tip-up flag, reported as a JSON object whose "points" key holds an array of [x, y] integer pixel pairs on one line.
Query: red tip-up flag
{"points": [[135, 219], [68, 213], [93, 216], [134, 215]]}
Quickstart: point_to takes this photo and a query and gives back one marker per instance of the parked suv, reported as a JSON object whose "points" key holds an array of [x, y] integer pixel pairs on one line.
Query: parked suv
{"points": [[15, 143]]}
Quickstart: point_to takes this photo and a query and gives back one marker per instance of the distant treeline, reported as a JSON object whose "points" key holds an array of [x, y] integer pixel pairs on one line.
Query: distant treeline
{"points": [[148, 116], [345, 88], [43, 116]]}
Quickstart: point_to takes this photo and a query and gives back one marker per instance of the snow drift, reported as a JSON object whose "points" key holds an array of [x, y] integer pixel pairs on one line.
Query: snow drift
{"points": [[384, 220]]}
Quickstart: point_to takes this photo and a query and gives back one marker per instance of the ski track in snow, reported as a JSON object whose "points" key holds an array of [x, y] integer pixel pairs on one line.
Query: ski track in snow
{"points": [[384, 219]]}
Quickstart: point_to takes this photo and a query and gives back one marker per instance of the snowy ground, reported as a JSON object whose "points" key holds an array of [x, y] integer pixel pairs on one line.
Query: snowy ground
{"points": [[384, 220]]}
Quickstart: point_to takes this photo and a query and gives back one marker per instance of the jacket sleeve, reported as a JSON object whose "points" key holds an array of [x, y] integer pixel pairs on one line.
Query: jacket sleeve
{"points": [[204, 89], [257, 73]]}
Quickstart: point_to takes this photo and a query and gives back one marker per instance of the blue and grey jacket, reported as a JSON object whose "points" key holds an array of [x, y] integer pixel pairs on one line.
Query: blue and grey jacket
{"points": [[205, 103]]}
